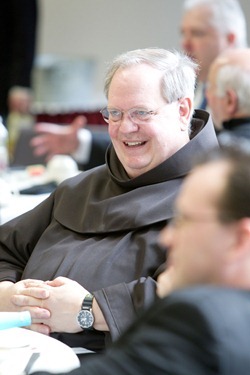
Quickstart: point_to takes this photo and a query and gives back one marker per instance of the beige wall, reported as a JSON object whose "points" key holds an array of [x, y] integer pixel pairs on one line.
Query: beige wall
{"points": [[103, 28]]}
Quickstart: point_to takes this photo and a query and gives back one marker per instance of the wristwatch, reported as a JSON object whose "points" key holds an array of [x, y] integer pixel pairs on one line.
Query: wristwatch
{"points": [[85, 316]]}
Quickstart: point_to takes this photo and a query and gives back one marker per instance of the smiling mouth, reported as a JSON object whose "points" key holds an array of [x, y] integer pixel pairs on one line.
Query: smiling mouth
{"points": [[134, 144]]}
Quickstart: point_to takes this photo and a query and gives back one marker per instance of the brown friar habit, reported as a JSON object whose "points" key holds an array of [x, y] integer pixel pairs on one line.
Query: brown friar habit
{"points": [[101, 229]]}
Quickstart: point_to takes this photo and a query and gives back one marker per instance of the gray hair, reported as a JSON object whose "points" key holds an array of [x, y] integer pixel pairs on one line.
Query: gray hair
{"points": [[178, 70], [230, 76], [228, 16]]}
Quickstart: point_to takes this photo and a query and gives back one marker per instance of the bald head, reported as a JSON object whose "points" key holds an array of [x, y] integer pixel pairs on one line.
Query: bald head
{"points": [[228, 88], [234, 57]]}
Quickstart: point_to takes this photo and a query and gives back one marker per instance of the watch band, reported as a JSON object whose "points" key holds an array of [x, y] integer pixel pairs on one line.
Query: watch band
{"points": [[87, 302], [85, 317]]}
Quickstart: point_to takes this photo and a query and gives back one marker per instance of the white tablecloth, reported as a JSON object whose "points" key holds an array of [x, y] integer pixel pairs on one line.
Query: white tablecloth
{"points": [[13, 181], [18, 204], [17, 345], [12, 203]]}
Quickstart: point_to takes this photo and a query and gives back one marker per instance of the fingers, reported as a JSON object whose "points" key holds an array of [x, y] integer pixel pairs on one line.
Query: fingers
{"points": [[52, 139], [35, 292], [79, 122], [32, 283], [34, 288], [48, 144], [50, 128], [58, 281], [45, 127], [39, 145], [40, 150], [22, 300], [37, 140], [37, 314], [32, 294], [40, 328]]}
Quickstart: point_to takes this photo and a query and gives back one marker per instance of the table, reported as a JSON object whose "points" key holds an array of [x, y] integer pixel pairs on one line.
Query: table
{"points": [[14, 181], [12, 203], [18, 344], [19, 204]]}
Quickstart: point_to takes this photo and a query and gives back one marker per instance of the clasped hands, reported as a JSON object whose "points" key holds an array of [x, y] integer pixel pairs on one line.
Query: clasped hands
{"points": [[53, 305]]}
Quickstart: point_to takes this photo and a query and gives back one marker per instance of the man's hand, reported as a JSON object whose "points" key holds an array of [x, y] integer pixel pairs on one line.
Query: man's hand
{"points": [[32, 294], [52, 139], [63, 303]]}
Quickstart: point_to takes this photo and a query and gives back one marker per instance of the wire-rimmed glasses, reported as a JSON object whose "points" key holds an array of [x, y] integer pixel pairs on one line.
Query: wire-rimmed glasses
{"points": [[138, 115]]}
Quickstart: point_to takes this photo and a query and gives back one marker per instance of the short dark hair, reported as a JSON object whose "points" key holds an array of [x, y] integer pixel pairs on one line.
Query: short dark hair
{"points": [[234, 203]]}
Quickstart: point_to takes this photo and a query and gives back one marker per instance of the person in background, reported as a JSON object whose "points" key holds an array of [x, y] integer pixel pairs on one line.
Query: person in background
{"points": [[18, 30], [201, 322], [228, 92], [94, 239], [87, 147], [209, 27]]}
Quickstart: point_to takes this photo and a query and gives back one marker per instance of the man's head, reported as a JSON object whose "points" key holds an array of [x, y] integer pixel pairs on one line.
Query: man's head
{"points": [[228, 88], [150, 103], [209, 27], [209, 239]]}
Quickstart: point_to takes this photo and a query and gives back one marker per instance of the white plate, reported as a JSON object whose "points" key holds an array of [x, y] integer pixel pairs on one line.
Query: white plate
{"points": [[17, 344], [7, 342]]}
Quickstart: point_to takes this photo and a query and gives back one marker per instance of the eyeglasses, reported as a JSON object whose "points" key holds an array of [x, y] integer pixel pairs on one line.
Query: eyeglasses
{"points": [[138, 115]]}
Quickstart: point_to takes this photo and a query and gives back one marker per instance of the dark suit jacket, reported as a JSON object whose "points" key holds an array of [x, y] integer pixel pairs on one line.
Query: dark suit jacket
{"points": [[237, 127], [197, 331], [100, 143]]}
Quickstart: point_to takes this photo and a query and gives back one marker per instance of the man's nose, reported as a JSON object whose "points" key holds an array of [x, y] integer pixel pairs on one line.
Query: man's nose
{"points": [[167, 236], [186, 44], [127, 124]]}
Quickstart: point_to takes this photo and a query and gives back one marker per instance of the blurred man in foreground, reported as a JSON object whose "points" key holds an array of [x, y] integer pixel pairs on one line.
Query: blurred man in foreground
{"points": [[201, 329]]}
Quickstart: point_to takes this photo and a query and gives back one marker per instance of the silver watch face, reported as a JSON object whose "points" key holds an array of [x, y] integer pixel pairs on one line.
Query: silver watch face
{"points": [[85, 319]]}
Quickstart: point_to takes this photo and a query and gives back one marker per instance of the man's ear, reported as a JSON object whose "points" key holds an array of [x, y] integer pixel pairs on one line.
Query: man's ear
{"points": [[241, 248], [185, 107], [236, 265], [231, 102], [244, 232], [231, 37]]}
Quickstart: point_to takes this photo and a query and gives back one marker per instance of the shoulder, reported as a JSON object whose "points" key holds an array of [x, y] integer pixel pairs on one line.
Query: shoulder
{"points": [[210, 309], [209, 297], [226, 313], [221, 314]]}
